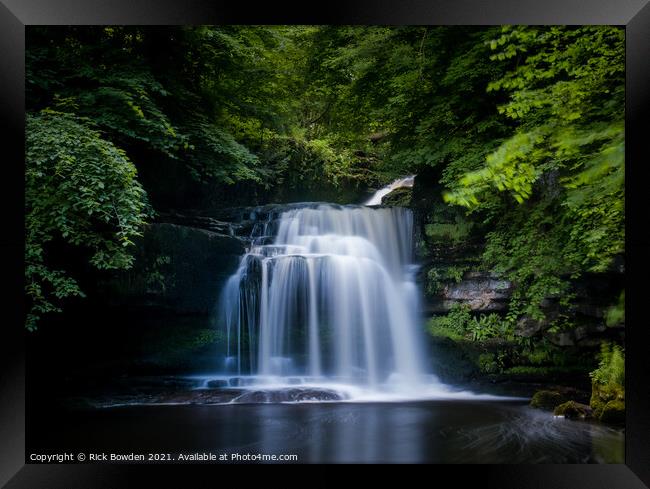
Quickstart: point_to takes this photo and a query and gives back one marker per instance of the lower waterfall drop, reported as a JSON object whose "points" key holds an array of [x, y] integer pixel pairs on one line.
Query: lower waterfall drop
{"points": [[326, 292]]}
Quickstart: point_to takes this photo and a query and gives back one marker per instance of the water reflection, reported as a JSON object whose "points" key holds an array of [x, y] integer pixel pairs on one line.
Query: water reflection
{"points": [[451, 431], [442, 432]]}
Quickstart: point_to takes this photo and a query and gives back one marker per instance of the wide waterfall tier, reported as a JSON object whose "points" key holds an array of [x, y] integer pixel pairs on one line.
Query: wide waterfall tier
{"points": [[326, 291]]}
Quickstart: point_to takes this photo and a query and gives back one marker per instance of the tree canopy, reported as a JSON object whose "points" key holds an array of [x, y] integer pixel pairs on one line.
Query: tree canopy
{"points": [[523, 124]]}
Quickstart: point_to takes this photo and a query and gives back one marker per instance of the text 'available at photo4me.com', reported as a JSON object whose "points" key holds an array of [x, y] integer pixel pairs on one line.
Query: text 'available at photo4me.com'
{"points": [[69, 457]]}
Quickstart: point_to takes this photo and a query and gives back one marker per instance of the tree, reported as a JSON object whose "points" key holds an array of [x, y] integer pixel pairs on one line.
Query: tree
{"points": [[81, 189]]}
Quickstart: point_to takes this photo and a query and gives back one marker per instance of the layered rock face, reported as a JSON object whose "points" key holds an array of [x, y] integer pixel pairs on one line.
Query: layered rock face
{"points": [[480, 291], [449, 246], [183, 259], [179, 269]]}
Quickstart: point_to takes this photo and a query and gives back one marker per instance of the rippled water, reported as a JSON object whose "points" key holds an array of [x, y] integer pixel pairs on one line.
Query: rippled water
{"points": [[449, 431]]}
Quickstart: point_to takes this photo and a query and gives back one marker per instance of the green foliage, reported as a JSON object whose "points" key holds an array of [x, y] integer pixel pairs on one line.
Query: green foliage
{"points": [[79, 189], [455, 321], [488, 363], [298, 163], [564, 164], [608, 384], [522, 124], [489, 326], [525, 123], [421, 87], [611, 366], [542, 372], [156, 273], [179, 343], [450, 233], [437, 277], [490, 345], [460, 323], [215, 101], [615, 314], [529, 249], [201, 96]]}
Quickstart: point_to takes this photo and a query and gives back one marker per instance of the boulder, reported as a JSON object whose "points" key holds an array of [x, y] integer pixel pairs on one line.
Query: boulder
{"points": [[482, 292], [547, 400], [288, 395], [613, 412], [604, 394], [528, 327], [573, 410], [400, 197]]}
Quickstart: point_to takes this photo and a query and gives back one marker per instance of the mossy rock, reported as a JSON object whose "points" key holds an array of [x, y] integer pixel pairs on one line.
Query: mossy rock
{"points": [[602, 394], [547, 400], [613, 412], [446, 232], [573, 410], [400, 197]]}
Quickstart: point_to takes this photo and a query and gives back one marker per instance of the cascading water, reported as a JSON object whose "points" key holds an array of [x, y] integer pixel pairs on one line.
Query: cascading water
{"points": [[394, 185], [327, 292]]}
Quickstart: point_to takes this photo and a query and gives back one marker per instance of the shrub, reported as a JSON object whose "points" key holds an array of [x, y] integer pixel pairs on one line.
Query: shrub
{"points": [[611, 367], [608, 382]]}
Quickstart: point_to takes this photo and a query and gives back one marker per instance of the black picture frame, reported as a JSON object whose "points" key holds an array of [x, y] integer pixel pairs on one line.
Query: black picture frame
{"points": [[634, 14]]}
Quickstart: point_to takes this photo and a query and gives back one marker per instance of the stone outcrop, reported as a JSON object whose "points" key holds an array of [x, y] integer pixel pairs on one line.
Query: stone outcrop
{"points": [[178, 268], [482, 292]]}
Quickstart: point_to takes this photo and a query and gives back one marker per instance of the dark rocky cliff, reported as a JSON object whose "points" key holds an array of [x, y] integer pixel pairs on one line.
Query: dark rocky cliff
{"points": [[178, 268]]}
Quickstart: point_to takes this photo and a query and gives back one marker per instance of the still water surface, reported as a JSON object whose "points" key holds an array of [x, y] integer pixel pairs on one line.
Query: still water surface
{"points": [[426, 431]]}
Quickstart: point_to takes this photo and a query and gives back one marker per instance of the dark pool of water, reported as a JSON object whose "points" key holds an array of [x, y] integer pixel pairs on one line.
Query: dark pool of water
{"points": [[427, 431]]}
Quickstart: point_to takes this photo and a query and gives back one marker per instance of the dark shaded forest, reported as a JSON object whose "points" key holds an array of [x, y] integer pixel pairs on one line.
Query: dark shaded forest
{"points": [[515, 135]]}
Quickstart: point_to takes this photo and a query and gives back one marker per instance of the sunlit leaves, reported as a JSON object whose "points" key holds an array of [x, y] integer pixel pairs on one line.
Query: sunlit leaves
{"points": [[565, 93], [510, 168]]}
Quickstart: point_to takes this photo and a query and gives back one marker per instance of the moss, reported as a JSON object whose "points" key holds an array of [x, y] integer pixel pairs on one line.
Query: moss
{"points": [[444, 331], [488, 363], [179, 343], [613, 412], [538, 356], [487, 343], [451, 325], [601, 394], [544, 371], [437, 277], [400, 197], [615, 315], [422, 249], [454, 232], [547, 400], [572, 410]]}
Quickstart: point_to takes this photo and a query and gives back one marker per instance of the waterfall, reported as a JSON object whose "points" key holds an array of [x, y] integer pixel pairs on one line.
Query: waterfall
{"points": [[326, 291], [382, 192]]}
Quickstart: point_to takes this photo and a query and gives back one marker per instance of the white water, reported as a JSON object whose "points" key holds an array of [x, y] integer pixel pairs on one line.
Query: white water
{"points": [[382, 192], [332, 297], [330, 302]]}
